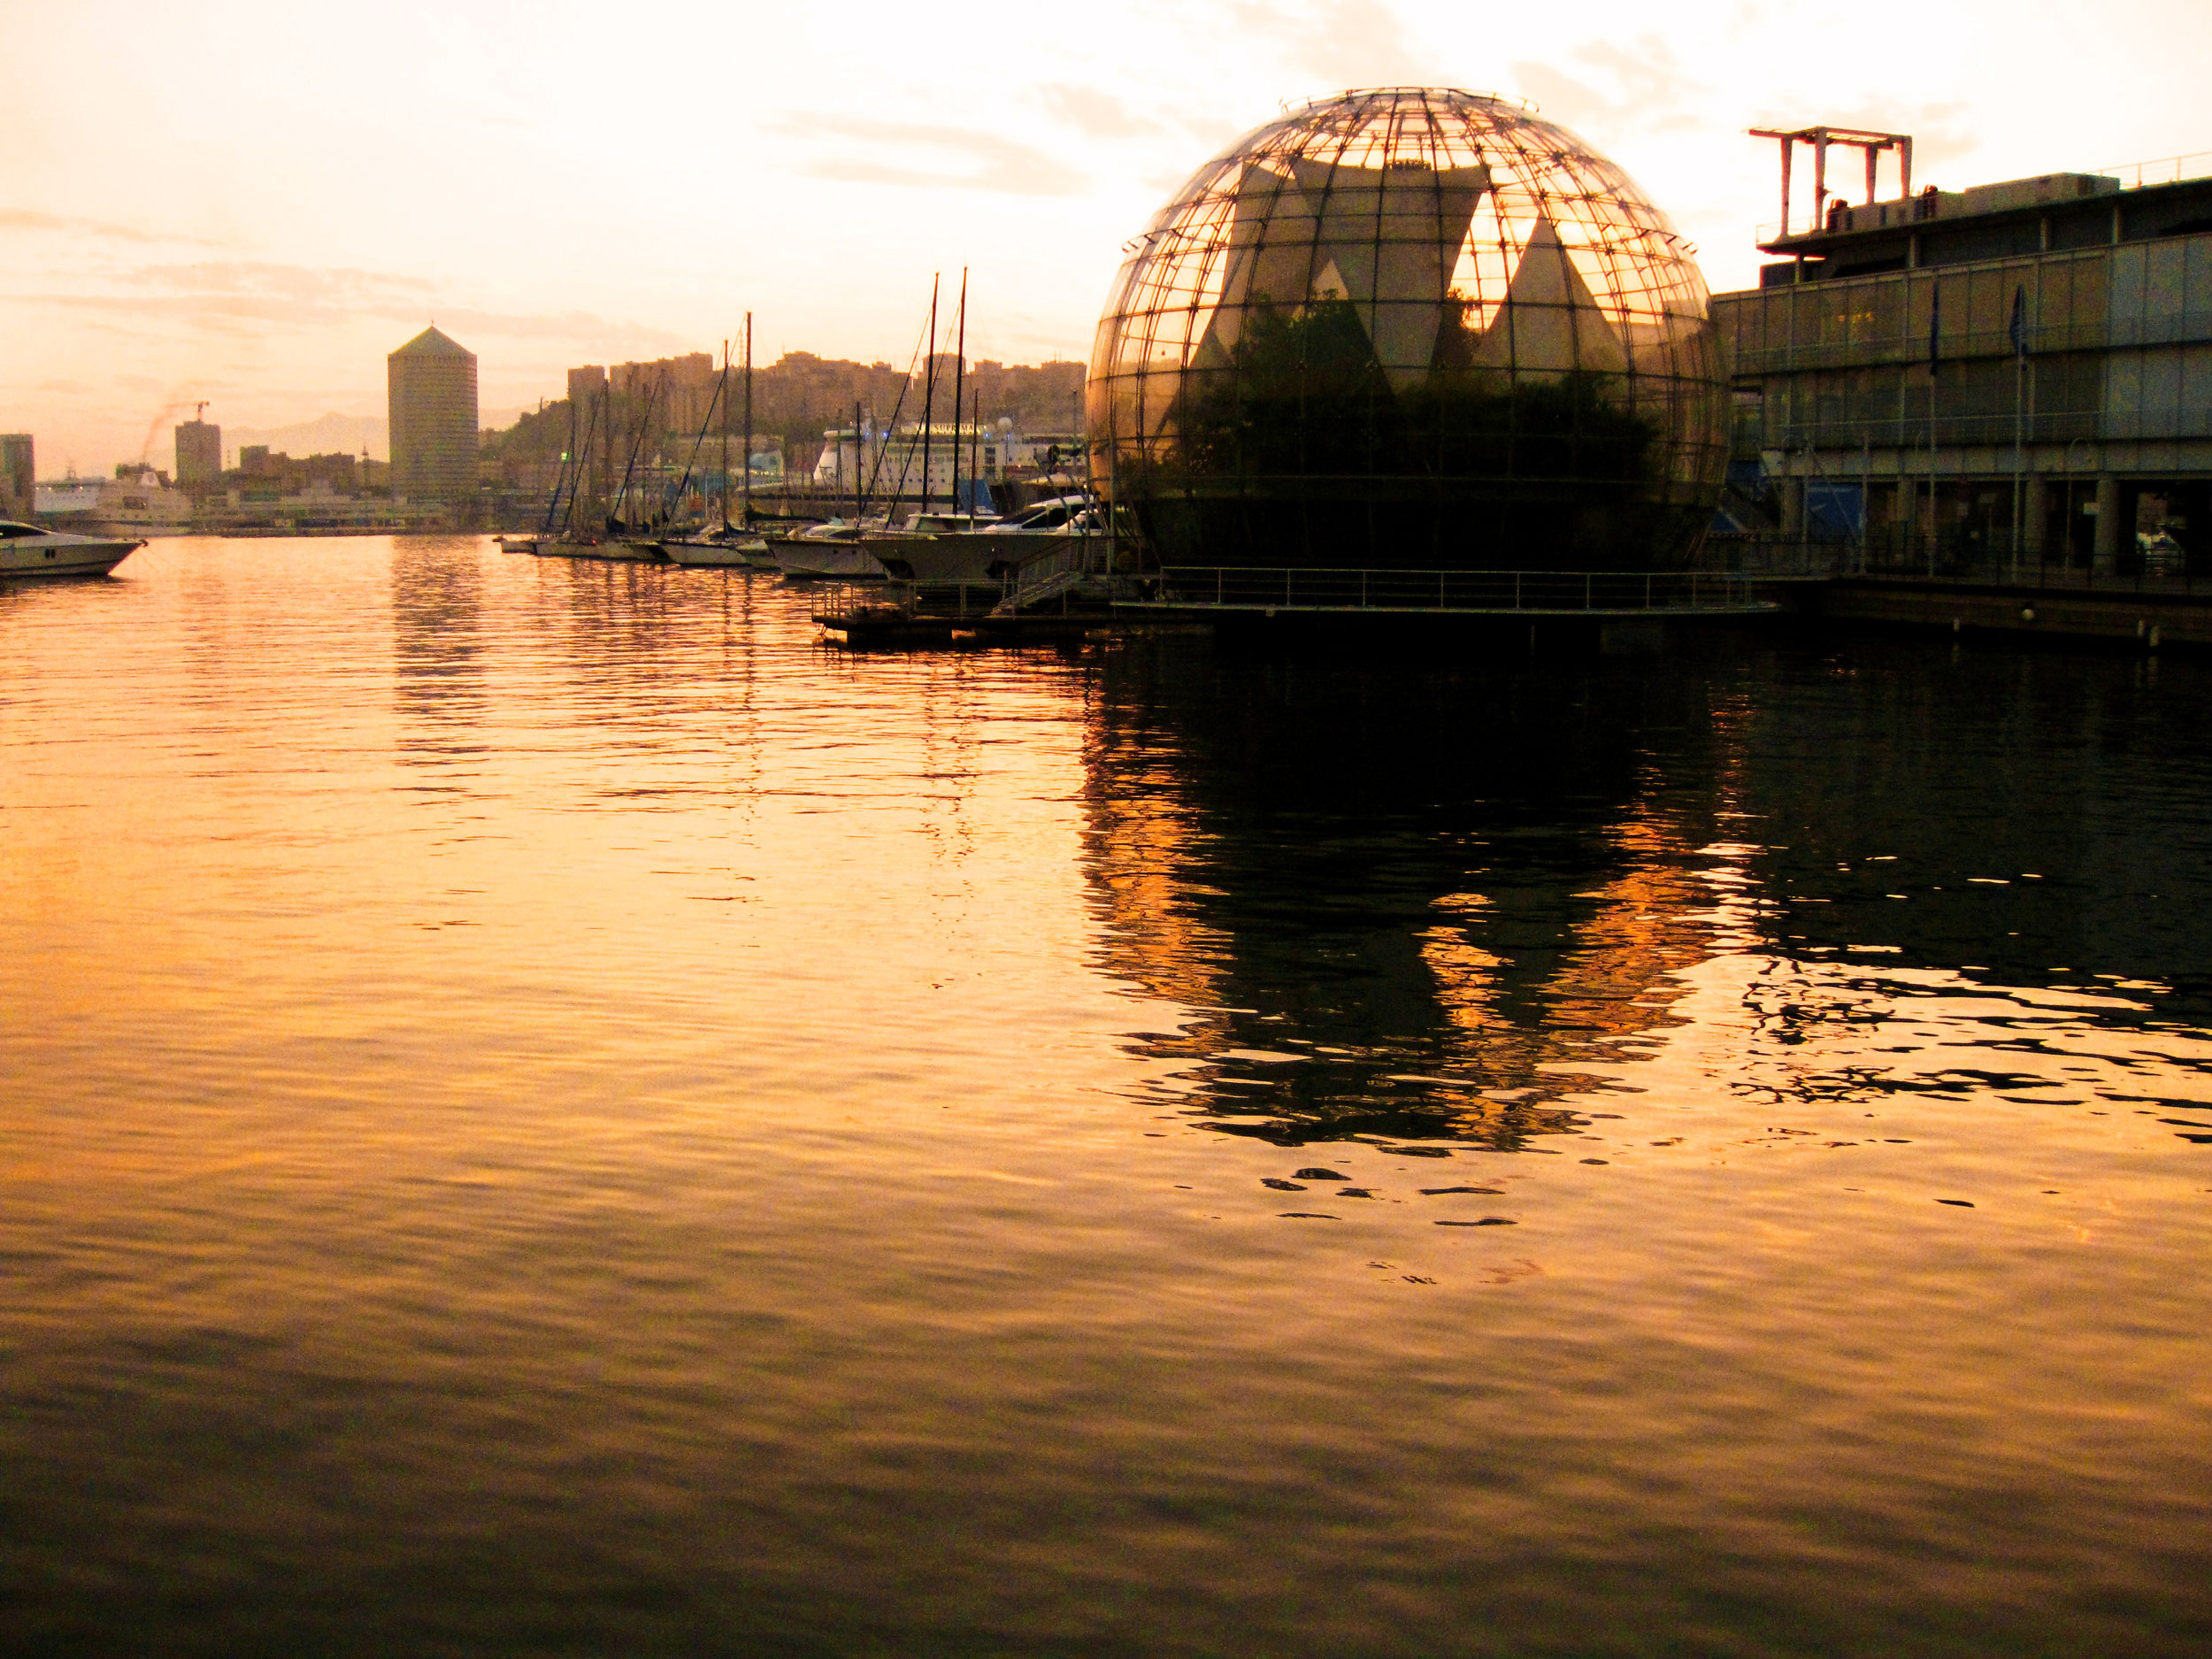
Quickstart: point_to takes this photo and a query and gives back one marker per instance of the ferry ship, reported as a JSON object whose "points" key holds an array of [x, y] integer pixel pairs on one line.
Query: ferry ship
{"points": [[138, 501]]}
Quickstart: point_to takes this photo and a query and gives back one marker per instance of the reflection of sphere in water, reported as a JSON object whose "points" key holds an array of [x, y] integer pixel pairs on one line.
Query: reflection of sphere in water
{"points": [[1410, 328]]}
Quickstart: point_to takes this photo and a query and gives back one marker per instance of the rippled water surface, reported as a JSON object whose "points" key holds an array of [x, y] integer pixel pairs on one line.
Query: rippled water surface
{"points": [[546, 1113]]}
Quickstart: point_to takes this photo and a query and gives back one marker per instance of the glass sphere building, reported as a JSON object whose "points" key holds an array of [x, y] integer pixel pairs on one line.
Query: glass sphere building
{"points": [[1413, 329]]}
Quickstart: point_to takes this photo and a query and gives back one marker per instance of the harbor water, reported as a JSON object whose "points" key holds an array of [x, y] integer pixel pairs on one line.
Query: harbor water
{"points": [[546, 1111]]}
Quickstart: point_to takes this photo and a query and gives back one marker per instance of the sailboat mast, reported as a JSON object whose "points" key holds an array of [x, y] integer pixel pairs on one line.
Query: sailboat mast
{"points": [[929, 397], [606, 454], [748, 423], [569, 457], [975, 423], [959, 371], [726, 433]]}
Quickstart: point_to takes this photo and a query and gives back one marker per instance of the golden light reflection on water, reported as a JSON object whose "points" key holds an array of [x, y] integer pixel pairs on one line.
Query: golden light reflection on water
{"points": [[545, 1111]]}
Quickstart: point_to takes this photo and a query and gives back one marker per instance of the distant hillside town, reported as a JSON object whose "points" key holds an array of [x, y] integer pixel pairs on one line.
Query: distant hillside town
{"points": [[664, 422]]}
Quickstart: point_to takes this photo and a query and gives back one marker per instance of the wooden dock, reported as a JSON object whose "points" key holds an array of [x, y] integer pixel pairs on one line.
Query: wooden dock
{"points": [[2153, 615]]}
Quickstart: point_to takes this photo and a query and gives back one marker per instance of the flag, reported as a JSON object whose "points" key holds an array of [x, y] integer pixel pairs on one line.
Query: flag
{"points": [[1935, 323], [2019, 329]]}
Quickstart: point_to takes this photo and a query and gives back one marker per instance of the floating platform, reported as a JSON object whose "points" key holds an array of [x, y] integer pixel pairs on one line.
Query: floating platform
{"points": [[888, 626], [2152, 614]]}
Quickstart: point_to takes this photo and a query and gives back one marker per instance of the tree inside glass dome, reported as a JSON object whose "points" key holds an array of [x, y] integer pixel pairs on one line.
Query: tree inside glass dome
{"points": [[1302, 395]]}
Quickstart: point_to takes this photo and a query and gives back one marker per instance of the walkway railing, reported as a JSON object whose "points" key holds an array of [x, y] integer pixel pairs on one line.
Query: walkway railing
{"points": [[1307, 589], [1985, 559]]}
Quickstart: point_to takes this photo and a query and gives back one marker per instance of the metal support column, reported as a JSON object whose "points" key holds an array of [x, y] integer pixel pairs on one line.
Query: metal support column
{"points": [[2109, 526]]}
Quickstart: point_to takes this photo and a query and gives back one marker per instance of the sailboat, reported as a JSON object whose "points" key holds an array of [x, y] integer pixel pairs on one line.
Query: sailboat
{"points": [[597, 534], [850, 550], [727, 546]]}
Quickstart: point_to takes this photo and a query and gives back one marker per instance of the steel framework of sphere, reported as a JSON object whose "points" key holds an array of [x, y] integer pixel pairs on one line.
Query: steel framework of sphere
{"points": [[1410, 328]]}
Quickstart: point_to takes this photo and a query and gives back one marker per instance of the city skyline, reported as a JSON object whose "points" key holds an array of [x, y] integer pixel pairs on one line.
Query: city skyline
{"points": [[258, 214]]}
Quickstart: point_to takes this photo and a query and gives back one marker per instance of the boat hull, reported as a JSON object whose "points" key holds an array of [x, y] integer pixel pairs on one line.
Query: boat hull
{"points": [[840, 561], [45, 557], [751, 554], [627, 552], [973, 558]]}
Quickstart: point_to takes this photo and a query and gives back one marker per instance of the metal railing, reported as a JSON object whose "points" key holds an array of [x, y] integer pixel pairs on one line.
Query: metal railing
{"points": [[1972, 556], [2133, 175], [1549, 592], [1840, 435], [954, 602], [2182, 327]]}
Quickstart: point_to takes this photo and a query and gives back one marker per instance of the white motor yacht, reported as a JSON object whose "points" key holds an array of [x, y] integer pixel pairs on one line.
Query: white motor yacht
{"points": [[719, 550], [940, 551], [30, 549], [609, 547], [837, 549]]}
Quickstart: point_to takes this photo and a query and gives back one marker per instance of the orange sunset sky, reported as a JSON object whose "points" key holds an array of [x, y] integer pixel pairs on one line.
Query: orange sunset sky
{"points": [[252, 204]]}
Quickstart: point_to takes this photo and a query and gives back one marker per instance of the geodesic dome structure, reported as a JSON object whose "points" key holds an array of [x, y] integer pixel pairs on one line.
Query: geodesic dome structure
{"points": [[1410, 328]]}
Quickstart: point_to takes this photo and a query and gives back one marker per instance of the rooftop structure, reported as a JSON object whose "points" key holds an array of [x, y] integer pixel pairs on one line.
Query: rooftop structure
{"points": [[2025, 365], [2049, 214], [1416, 328], [432, 382]]}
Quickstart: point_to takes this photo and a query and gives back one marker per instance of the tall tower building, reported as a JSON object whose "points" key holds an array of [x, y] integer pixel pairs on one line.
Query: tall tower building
{"points": [[199, 454], [433, 385], [18, 475]]}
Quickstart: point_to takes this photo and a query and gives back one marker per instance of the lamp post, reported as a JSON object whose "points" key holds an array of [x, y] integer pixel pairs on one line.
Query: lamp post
{"points": [[2070, 508]]}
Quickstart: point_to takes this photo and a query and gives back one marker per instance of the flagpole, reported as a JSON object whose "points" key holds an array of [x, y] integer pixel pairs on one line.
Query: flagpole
{"points": [[1935, 322], [2019, 416]]}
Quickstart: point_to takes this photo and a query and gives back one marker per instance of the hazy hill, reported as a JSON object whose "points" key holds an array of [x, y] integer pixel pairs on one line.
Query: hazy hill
{"points": [[796, 398], [331, 434], [334, 433]]}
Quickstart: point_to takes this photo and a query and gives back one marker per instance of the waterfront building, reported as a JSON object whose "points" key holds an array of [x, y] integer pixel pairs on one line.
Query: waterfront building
{"points": [[433, 407], [18, 474], [199, 454], [584, 385], [2022, 369], [1413, 329], [682, 389]]}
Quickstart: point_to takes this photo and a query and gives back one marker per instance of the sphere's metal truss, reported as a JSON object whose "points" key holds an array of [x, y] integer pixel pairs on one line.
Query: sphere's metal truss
{"points": [[1411, 296]]}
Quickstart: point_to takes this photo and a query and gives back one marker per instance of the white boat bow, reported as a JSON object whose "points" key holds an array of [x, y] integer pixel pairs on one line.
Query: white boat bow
{"points": [[30, 549]]}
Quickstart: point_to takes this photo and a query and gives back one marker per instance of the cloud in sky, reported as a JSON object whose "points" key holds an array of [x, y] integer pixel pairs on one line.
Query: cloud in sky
{"points": [[1094, 113], [1334, 44], [1646, 88], [233, 296], [30, 221], [917, 154], [275, 196]]}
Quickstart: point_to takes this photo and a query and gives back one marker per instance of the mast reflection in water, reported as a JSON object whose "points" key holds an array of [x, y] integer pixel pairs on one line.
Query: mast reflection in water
{"points": [[547, 1112]]}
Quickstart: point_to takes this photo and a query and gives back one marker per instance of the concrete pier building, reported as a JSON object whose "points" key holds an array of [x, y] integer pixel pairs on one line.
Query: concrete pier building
{"points": [[2016, 371], [432, 382]]}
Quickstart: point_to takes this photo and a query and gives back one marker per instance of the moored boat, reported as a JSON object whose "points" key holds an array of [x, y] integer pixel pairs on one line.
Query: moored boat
{"points": [[30, 549], [943, 547], [837, 549], [720, 549], [611, 548]]}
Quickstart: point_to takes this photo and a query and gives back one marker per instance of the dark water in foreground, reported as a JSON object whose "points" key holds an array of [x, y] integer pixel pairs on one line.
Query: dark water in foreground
{"points": [[543, 1112]]}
